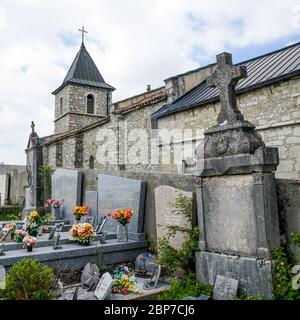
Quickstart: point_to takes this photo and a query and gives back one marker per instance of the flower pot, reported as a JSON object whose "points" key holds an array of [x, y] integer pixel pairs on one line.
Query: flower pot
{"points": [[29, 248], [77, 219], [33, 233], [122, 233], [57, 213], [85, 243], [19, 240]]}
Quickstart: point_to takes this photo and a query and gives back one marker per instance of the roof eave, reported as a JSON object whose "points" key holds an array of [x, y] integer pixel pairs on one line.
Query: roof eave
{"points": [[109, 87]]}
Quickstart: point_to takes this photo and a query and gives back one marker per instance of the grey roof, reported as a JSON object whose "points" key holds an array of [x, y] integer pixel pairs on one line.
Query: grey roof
{"points": [[84, 71], [263, 70]]}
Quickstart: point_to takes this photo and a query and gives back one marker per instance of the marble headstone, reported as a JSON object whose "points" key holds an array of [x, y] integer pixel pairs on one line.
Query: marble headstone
{"points": [[116, 192], [104, 286], [225, 288], [165, 197], [67, 186]]}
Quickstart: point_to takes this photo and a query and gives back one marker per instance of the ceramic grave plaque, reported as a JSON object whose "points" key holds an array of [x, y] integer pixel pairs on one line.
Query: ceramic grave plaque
{"points": [[104, 286]]}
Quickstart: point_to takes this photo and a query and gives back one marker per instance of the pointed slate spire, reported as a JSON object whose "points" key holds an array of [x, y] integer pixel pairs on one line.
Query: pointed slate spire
{"points": [[84, 71]]}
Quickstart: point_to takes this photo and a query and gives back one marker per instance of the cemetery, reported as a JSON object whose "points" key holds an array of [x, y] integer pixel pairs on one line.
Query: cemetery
{"points": [[224, 228]]}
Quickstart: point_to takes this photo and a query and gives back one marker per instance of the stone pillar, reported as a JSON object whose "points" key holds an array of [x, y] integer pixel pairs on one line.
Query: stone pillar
{"points": [[34, 190], [236, 196]]}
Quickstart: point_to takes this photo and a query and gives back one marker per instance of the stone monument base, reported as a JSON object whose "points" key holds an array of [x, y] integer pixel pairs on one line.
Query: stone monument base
{"points": [[254, 275]]}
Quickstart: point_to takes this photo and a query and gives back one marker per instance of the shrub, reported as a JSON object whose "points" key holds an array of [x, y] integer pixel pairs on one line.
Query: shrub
{"points": [[29, 280], [296, 239], [282, 279], [185, 287], [184, 258], [10, 214]]}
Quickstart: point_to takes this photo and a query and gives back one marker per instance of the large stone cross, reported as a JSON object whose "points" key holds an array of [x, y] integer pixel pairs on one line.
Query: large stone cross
{"points": [[225, 79]]}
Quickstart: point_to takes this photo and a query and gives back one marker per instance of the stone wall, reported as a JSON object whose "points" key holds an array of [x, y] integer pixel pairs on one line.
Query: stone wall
{"points": [[182, 83], [106, 143], [288, 192], [274, 109]]}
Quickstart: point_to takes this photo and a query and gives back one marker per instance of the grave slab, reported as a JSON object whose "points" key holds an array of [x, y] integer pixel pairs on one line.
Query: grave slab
{"points": [[165, 197], [116, 192], [67, 186]]}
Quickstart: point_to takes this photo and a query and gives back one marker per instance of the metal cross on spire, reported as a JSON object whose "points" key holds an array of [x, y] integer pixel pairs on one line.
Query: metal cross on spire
{"points": [[225, 79], [82, 33]]}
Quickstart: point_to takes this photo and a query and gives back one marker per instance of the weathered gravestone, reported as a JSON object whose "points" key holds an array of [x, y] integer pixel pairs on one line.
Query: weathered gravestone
{"points": [[91, 200], [236, 194], [4, 188], [104, 286], [34, 190], [67, 186], [165, 198], [116, 192], [225, 288]]}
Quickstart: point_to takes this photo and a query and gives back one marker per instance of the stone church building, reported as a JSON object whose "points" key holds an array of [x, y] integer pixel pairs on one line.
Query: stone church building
{"points": [[92, 132]]}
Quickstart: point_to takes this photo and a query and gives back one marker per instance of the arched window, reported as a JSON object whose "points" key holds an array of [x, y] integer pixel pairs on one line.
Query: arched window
{"points": [[92, 162], [90, 104], [61, 106]]}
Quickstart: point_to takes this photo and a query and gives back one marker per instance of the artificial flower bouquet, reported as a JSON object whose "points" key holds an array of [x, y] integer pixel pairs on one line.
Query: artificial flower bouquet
{"points": [[124, 281], [121, 215], [20, 235], [80, 211], [32, 223], [29, 241], [82, 232], [53, 203]]}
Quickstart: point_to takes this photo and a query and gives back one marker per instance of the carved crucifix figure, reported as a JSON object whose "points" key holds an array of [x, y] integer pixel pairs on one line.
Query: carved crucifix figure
{"points": [[225, 79]]}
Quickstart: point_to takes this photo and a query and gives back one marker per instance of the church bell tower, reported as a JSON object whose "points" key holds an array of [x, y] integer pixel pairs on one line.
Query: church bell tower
{"points": [[84, 97]]}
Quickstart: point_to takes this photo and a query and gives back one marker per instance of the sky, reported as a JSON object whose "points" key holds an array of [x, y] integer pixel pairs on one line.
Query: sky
{"points": [[133, 42]]}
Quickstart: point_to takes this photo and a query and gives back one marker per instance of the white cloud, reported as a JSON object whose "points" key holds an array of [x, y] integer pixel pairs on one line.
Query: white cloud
{"points": [[133, 42]]}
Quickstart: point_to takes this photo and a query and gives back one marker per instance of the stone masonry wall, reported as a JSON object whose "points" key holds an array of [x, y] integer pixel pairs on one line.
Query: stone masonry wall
{"points": [[106, 143], [74, 112], [274, 109]]}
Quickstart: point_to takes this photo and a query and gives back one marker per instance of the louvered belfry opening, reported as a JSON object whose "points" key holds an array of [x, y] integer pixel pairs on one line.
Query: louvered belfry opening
{"points": [[90, 104]]}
